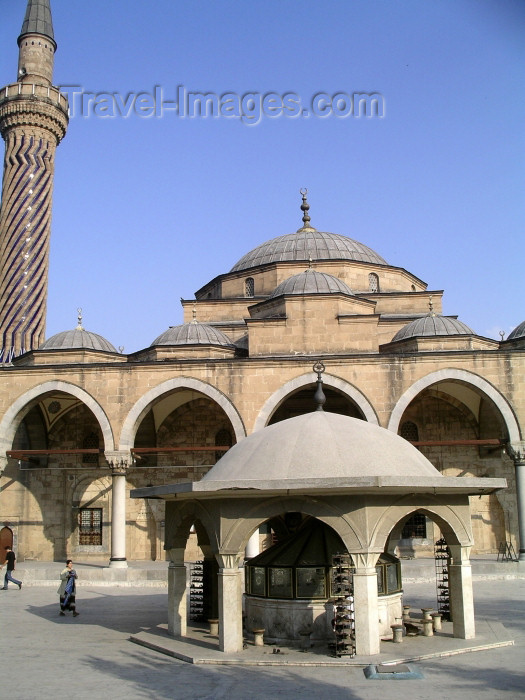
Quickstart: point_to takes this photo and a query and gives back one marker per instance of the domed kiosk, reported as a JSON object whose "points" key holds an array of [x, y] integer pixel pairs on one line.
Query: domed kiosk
{"points": [[333, 474]]}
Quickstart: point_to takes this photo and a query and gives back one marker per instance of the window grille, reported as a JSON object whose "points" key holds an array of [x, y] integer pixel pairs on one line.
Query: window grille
{"points": [[415, 527], [373, 282], [90, 526], [249, 287], [409, 431], [90, 442]]}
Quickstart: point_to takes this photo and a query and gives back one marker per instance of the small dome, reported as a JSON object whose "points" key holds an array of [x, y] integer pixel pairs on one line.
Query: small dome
{"points": [[77, 339], [308, 244], [518, 332], [317, 445], [432, 325], [311, 282], [193, 333]]}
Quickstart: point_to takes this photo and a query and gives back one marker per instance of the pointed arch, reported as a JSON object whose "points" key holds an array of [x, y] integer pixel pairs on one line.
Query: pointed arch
{"points": [[17, 410], [453, 520], [181, 516], [243, 526]]}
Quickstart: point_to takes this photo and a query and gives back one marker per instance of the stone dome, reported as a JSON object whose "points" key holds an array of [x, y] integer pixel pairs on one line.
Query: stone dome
{"points": [[432, 325], [308, 244], [311, 282], [193, 333], [321, 445], [518, 332], [77, 338]]}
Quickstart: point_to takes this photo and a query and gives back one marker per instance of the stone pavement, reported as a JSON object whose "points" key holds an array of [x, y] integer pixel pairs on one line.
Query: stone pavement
{"points": [[45, 655]]}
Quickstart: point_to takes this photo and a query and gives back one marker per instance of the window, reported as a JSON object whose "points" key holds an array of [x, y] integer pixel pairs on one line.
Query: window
{"points": [[409, 431], [373, 282], [415, 527], [90, 442], [90, 526], [249, 287]]}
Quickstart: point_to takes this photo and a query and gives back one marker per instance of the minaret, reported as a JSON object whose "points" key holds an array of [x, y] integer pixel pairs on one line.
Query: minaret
{"points": [[33, 121]]}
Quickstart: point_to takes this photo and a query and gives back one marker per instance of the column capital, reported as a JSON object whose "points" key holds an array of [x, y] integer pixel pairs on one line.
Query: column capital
{"points": [[460, 554], [176, 556], [227, 560], [118, 462], [516, 452], [365, 562]]}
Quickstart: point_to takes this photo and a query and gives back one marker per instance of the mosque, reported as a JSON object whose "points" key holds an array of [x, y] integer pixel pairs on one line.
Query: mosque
{"points": [[84, 426]]}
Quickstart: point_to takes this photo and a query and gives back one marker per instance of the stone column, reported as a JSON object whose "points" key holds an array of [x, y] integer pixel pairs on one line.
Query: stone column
{"points": [[365, 602], [177, 594], [461, 593], [252, 548], [230, 603], [119, 463], [3, 464], [518, 457]]}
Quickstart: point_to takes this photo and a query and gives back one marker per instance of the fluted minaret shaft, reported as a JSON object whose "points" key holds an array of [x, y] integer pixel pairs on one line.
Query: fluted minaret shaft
{"points": [[33, 120]]}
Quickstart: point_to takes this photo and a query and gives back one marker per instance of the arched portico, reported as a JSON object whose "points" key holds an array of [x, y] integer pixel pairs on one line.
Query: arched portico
{"points": [[462, 407], [304, 380], [469, 379], [17, 410], [140, 408]]}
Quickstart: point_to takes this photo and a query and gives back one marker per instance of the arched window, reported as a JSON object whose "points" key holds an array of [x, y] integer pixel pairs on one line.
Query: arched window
{"points": [[373, 282], [409, 431], [249, 287]]}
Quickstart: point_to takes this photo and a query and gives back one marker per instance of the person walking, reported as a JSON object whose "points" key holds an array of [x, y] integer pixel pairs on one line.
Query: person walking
{"points": [[67, 589], [10, 559]]}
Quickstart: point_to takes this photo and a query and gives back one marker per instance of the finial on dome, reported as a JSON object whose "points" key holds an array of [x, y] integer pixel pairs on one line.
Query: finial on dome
{"points": [[305, 208], [319, 397], [430, 306], [310, 262], [79, 319], [194, 314]]}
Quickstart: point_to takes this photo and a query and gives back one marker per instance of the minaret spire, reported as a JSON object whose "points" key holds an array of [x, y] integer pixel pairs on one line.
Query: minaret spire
{"points": [[37, 44], [38, 19], [33, 121]]}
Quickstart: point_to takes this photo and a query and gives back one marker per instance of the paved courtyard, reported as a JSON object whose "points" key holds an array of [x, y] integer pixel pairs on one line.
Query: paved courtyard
{"points": [[47, 656]]}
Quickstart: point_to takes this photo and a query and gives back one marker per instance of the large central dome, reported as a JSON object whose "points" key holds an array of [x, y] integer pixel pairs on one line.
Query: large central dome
{"points": [[308, 244]]}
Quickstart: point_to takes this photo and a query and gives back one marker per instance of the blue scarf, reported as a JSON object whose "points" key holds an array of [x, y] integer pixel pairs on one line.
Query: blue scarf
{"points": [[70, 586]]}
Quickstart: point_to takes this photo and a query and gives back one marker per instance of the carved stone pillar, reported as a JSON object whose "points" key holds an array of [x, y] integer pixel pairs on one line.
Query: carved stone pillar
{"points": [[230, 603], [461, 593], [119, 463], [177, 605], [367, 638], [517, 454]]}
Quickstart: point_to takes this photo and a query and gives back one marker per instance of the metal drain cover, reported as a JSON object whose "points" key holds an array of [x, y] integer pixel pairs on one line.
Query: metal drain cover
{"points": [[391, 671], [391, 668]]}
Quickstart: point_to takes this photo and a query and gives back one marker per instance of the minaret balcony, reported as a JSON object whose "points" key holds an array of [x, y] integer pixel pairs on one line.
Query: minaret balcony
{"points": [[28, 90]]}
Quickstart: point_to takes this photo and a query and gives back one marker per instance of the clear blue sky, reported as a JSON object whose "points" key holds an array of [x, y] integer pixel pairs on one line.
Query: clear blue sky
{"points": [[147, 210]]}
